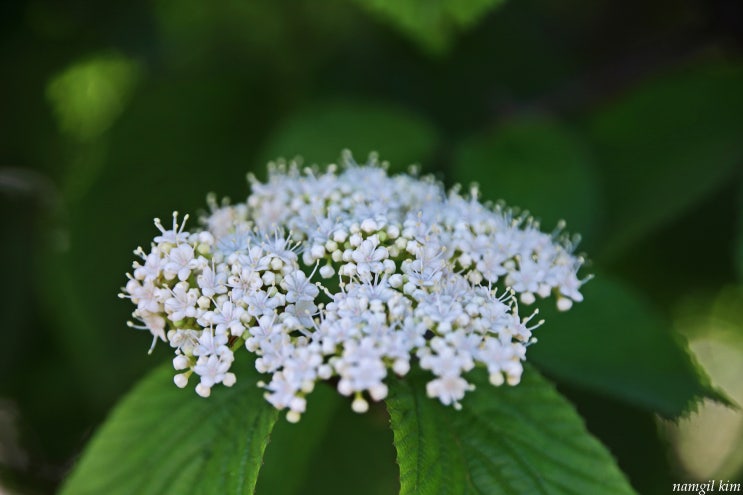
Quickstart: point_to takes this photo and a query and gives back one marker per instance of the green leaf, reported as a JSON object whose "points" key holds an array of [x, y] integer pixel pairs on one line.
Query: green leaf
{"points": [[739, 243], [616, 344], [431, 24], [666, 145], [319, 133], [90, 95], [161, 439], [537, 165], [523, 439]]}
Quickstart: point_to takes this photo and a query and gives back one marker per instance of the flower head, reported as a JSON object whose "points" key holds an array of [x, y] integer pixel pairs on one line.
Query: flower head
{"points": [[352, 273]]}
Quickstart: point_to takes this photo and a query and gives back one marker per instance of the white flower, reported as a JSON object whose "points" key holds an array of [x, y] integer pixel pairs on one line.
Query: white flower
{"points": [[234, 242], [280, 247], [245, 283], [223, 219], [265, 327], [227, 317], [179, 262], [299, 287], [428, 266], [303, 311], [282, 394], [261, 303], [173, 236], [211, 344], [445, 360], [369, 256], [182, 304], [349, 273], [144, 295], [449, 389], [153, 265], [360, 366], [214, 369], [184, 341], [212, 282], [491, 265]]}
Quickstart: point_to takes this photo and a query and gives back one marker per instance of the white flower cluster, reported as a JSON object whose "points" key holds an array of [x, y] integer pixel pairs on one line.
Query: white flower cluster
{"points": [[350, 273]]}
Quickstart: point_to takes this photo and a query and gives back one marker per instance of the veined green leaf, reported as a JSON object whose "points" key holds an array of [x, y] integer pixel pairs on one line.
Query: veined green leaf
{"points": [[161, 439], [617, 345], [512, 440]]}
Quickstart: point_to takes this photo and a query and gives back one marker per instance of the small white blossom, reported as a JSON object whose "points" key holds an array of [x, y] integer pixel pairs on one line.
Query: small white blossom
{"points": [[449, 389], [144, 295], [179, 262], [299, 287], [173, 236], [152, 268], [211, 343], [184, 341], [182, 303], [212, 282], [368, 257], [213, 369]]}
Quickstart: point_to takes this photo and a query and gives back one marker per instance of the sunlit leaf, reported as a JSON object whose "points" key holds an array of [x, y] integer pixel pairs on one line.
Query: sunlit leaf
{"points": [[89, 95], [432, 25], [162, 439], [536, 165], [708, 443], [87, 98], [320, 132], [616, 344], [739, 243], [523, 439], [667, 144]]}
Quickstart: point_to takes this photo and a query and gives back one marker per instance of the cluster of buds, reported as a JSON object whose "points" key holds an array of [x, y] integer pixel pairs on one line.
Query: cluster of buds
{"points": [[350, 273]]}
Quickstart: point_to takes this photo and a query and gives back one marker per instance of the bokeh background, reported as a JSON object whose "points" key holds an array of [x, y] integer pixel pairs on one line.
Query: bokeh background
{"points": [[623, 118]]}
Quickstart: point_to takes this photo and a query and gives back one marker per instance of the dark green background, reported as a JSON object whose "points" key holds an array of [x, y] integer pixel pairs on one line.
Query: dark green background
{"points": [[623, 118]]}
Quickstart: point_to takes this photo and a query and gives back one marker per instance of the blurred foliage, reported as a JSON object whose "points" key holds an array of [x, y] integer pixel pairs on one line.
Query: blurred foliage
{"points": [[624, 119], [535, 165], [317, 134], [739, 246], [90, 95], [688, 117], [431, 24]]}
